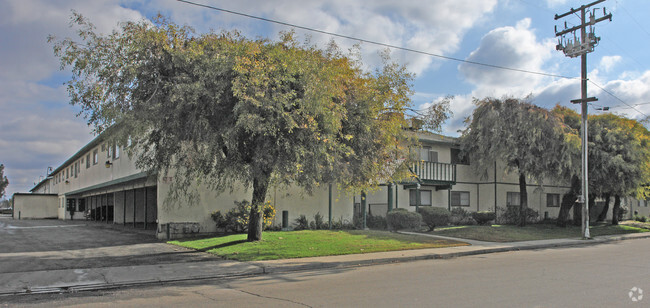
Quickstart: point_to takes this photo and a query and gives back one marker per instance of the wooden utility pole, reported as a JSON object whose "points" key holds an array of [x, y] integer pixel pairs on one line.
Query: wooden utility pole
{"points": [[580, 47]]}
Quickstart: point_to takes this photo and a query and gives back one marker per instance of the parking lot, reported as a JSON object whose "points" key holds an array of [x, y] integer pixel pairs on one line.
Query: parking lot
{"points": [[30, 245]]}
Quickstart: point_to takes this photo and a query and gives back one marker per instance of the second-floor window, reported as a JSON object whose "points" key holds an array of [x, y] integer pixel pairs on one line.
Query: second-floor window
{"points": [[457, 157], [87, 161], [426, 154], [116, 151], [95, 157]]}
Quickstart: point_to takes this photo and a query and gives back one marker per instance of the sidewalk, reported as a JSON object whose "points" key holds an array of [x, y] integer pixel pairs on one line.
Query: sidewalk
{"points": [[73, 280]]}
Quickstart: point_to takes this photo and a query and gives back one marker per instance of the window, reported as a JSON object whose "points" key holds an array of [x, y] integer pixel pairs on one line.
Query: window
{"points": [[425, 197], [426, 154], [552, 200], [67, 173], [76, 169], [460, 198], [458, 157], [116, 151], [95, 157], [512, 199], [109, 152], [87, 161]]}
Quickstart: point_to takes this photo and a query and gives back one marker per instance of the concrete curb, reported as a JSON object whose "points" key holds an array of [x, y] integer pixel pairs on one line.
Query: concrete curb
{"points": [[320, 263]]}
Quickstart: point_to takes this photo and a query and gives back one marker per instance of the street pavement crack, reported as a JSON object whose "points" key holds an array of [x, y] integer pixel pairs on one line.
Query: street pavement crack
{"points": [[276, 298]]}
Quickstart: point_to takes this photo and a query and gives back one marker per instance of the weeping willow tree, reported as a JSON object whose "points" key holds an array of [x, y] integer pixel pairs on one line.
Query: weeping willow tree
{"points": [[225, 111], [526, 138]]}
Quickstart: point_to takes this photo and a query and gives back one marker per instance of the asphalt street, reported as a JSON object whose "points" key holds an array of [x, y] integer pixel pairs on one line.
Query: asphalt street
{"points": [[602, 275]]}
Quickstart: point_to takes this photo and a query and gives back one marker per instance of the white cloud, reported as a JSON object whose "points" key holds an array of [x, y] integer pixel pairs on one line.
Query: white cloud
{"points": [[431, 26], [608, 62], [514, 47]]}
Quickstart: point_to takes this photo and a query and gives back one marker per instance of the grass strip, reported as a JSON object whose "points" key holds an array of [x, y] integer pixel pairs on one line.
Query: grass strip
{"points": [[308, 243]]}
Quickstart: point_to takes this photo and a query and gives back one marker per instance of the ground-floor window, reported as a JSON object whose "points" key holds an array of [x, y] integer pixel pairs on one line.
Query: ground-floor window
{"points": [[512, 199], [425, 197], [460, 198], [552, 200]]}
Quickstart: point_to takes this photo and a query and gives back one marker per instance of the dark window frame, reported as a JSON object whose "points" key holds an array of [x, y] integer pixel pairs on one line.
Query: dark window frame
{"points": [[456, 197], [413, 200], [550, 197]]}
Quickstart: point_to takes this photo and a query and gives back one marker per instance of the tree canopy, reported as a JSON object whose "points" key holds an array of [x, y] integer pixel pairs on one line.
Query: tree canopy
{"points": [[619, 155], [526, 138], [4, 182], [222, 110]]}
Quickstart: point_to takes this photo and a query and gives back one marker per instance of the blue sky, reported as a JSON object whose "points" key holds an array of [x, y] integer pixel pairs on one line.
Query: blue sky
{"points": [[39, 129]]}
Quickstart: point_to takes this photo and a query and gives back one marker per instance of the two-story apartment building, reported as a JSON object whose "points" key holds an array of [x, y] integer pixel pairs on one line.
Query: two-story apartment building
{"points": [[100, 182]]}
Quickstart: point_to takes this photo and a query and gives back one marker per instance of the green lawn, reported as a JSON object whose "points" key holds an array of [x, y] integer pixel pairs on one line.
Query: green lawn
{"points": [[300, 244], [504, 233]]}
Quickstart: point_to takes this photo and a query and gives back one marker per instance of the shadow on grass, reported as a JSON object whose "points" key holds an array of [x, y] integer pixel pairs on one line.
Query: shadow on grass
{"points": [[231, 243]]}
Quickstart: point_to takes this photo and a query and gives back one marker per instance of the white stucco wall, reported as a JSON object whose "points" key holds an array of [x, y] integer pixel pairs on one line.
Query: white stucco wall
{"points": [[35, 206]]}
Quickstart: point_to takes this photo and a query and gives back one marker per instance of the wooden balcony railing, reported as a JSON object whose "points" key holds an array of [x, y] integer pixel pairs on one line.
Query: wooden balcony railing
{"points": [[437, 172]]}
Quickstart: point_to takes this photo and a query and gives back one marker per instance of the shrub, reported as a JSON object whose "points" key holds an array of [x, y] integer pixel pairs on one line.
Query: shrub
{"points": [[460, 216], [318, 223], [483, 217], [219, 220], [510, 215], [399, 219], [376, 222], [640, 218], [434, 216], [237, 218], [622, 212], [301, 223]]}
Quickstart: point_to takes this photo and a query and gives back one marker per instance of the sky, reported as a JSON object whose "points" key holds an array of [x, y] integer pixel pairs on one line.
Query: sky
{"points": [[40, 129]]}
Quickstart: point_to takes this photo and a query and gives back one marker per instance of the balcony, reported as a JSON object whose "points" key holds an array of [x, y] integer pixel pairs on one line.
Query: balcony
{"points": [[435, 173]]}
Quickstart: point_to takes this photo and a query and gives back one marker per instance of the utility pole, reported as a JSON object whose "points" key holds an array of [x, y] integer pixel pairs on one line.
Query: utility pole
{"points": [[580, 47]]}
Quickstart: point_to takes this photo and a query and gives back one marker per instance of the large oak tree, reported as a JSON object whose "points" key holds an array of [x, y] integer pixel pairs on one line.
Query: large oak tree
{"points": [[220, 110]]}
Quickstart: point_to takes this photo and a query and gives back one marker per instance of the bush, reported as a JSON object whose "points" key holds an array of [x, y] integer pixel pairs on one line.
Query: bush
{"points": [[622, 212], [640, 218], [318, 223], [434, 216], [483, 217], [510, 215], [399, 219], [219, 220], [376, 222], [301, 223], [236, 219], [460, 216]]}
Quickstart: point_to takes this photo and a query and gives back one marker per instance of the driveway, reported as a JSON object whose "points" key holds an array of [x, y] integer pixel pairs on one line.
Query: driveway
{"points": [[31, 245]]}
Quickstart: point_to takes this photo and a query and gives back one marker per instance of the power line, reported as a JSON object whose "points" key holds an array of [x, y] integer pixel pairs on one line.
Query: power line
{"points": [[374, 42], [633, 19], [616, 97]]}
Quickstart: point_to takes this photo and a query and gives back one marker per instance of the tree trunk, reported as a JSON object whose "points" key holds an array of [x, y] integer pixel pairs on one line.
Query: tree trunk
{"points": [[617, 207], [568, 200], [256, 221], [603, 213], [523, 200]]}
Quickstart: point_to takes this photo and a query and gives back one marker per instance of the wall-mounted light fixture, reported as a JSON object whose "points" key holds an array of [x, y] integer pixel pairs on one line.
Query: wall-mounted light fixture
{"points": [[108, 164], [67, 181]]}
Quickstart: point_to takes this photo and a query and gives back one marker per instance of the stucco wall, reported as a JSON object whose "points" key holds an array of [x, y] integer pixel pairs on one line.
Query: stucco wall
{"points": [[35, 206], [292, 199]]}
